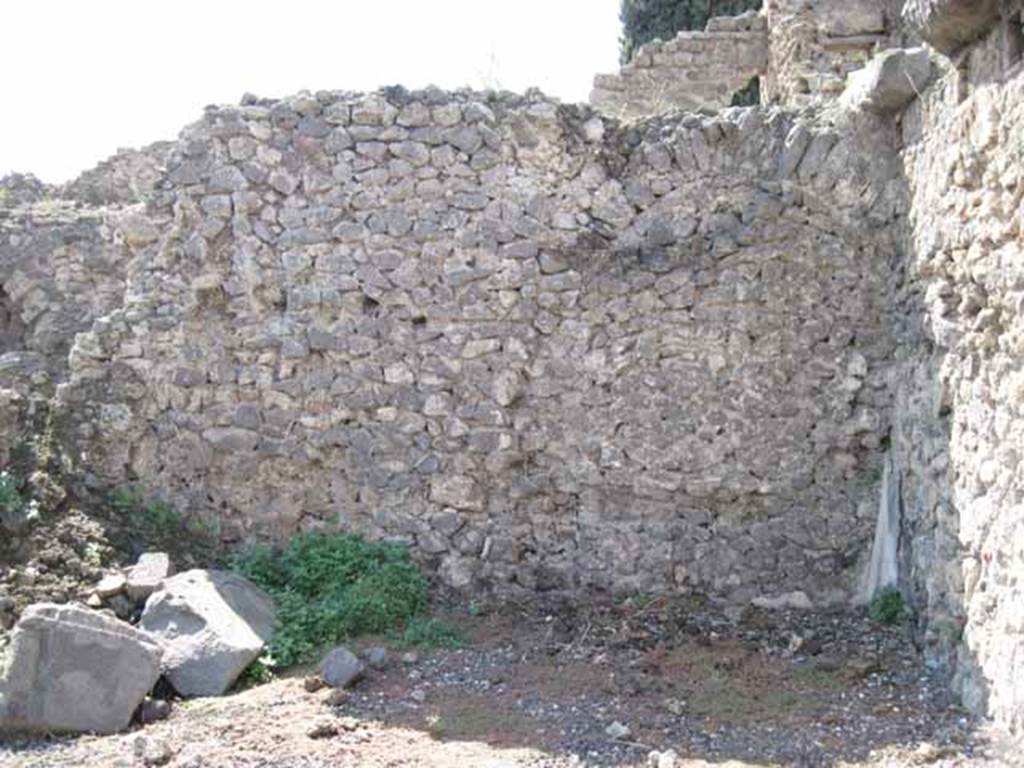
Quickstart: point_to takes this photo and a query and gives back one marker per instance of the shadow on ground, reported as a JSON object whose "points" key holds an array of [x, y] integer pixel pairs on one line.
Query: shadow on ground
{"points": [[601, 685]]}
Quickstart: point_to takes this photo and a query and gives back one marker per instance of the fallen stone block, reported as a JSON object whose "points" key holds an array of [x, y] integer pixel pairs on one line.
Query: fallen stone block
{"points": [[213, 624], [71, 669], [146, 576], [889, 81]]}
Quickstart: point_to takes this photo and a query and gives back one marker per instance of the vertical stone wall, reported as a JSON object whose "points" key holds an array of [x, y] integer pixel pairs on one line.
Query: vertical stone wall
{"points": [[546, 350], [696, 70], [960, 424]]}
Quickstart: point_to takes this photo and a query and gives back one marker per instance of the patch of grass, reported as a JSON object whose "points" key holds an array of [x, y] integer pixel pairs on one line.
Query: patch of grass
{"points": [[813, 678], [423, 632], [330, 588], [455, 715], [887, 606]]}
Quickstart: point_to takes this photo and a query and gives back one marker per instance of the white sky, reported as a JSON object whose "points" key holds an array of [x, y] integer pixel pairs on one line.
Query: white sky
{"points": [[81, 78]]}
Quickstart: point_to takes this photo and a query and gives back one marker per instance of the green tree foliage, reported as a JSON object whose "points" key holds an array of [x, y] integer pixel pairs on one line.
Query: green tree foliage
{"points": [[749, 95], [644, 20]]}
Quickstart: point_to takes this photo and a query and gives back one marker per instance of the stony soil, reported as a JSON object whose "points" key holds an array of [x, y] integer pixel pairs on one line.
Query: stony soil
{"points": [[66, 554], [540, 686]]}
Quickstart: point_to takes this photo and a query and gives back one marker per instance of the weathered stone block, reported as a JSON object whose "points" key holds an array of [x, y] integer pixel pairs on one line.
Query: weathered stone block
{"points": [[890, 81], [950, 24], [146, 576], [70, 669], [212, 624]]}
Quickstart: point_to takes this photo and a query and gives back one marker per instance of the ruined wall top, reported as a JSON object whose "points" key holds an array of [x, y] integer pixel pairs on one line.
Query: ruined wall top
{"points": [[693, 71], [802, 51]]}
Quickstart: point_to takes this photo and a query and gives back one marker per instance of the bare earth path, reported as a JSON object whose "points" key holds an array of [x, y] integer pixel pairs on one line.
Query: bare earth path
{"points": [[549, 688]]}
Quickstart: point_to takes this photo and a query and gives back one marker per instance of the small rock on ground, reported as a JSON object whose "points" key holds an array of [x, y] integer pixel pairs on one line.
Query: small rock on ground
{"points": [[341, 668], [322, 729], [618, 731]]}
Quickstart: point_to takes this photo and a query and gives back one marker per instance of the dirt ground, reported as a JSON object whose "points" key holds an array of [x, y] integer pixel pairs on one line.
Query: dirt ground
{"points": [[629, 683]]}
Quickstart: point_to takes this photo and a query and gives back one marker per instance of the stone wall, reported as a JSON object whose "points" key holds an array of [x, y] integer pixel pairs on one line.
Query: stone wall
{"points": [[960, 424], [546, 350], [814, 44], [551, 350], [802, 50], [62, 266], [694, 71]]}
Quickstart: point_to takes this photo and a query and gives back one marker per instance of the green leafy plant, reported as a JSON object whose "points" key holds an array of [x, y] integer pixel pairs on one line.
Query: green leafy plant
{"points": [[10, 498], [332, 587], [436, 727], [127, 498], [887, 606], [258, 672], [423, 632], [146, 515], [749, 95], [158, 515], [154, 522]]}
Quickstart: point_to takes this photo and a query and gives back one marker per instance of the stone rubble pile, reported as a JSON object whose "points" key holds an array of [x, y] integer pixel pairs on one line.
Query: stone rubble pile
{"points": [[70, 668]]}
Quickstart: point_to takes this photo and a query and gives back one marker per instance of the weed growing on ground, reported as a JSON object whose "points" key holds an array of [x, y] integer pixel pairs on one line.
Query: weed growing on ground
{"points": [[145, 515], [330, 588], [436, 727], [423, 632], [259, 671], [156, 515], [159, 524], [887, 606]]}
